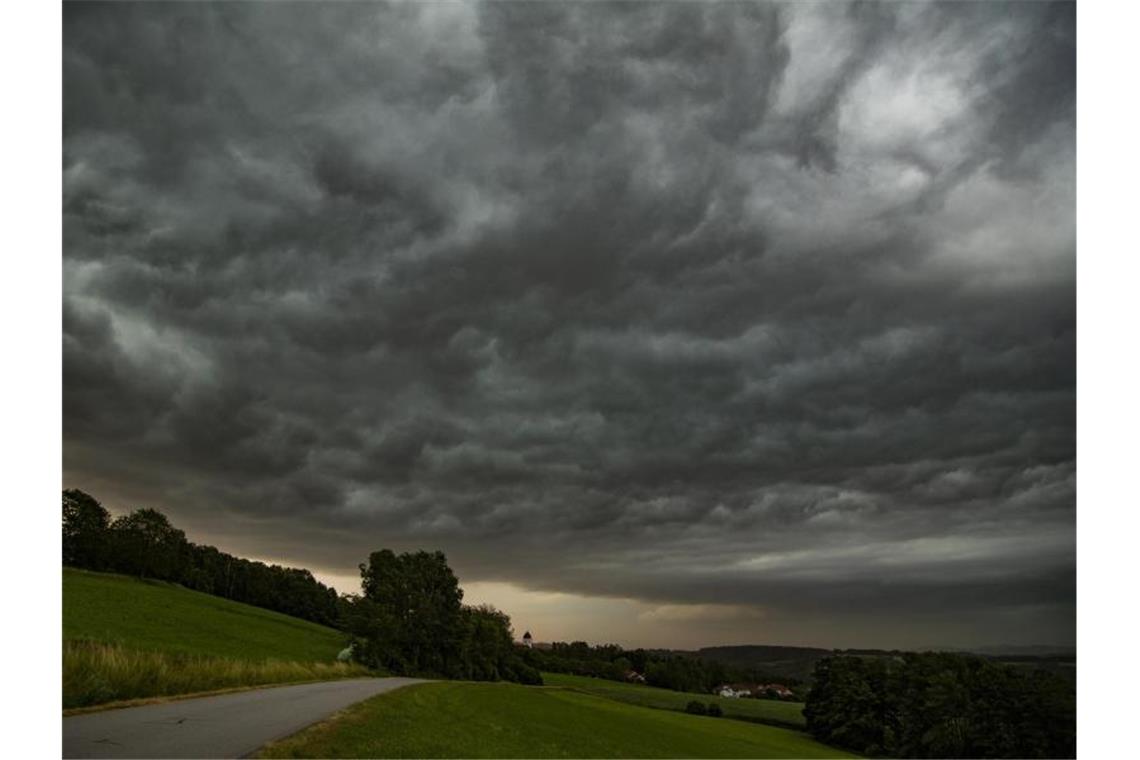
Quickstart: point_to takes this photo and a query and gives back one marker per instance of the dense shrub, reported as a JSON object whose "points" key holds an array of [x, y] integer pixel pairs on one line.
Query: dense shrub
{"points": [[520, 672], [940, 705], [714, 710], [696, 708]]}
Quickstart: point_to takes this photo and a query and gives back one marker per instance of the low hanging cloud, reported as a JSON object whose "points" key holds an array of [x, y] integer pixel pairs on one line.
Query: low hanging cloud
{"points": [[768, 306]]}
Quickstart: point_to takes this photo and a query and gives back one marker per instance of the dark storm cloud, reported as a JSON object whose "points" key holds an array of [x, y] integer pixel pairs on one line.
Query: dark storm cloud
{"points": [[731, 303]]}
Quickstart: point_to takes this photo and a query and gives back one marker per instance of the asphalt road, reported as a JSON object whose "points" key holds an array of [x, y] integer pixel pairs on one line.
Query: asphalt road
{"points": [[228, 725]]}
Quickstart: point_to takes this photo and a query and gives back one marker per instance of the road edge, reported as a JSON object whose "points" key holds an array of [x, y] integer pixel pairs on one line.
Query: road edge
{"points": [[142, 701]]}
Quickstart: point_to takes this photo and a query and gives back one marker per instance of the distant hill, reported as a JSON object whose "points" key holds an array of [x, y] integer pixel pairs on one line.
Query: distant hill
{"points": [[798, 662], [777, 661], [1033, 650], [748, 653]]}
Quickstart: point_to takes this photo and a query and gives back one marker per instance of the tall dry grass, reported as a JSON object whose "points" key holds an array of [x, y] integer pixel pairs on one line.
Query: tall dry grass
{"points": [[96, 672]]}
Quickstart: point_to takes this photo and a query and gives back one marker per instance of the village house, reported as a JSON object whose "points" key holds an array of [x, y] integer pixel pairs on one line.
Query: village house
{"points": [[781, 691], [754, 690]]}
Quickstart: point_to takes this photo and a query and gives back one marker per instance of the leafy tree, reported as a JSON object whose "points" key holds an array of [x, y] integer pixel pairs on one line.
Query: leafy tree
{"points": [[488, 650], [375, 634], [843, 708], [487, 647], [410, 620], [146, 544], [418, 598], [85, 523]]}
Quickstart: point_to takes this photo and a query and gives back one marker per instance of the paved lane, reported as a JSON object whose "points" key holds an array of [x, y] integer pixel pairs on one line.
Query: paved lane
{"points": [[227, 725]]}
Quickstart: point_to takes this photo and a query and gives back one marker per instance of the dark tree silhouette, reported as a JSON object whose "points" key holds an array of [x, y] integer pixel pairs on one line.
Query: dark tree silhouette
{"points": [[85, 524], [146, 544], [940, 704], [411, 620], [419, 598]]}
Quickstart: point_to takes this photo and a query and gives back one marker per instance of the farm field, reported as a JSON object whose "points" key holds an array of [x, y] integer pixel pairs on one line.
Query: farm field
{"points": [[464, 719], [126, 638], [758, 710]]}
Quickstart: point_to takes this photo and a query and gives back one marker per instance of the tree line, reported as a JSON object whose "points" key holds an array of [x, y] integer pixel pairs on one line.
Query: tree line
{"points": [[940, 704], [143, 543], [408, 620], [666, 669]]}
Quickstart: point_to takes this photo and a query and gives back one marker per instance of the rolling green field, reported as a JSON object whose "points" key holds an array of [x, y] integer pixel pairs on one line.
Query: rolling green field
{"points": [[759, 710], [126, 638], [153, 615], [460, 719]]}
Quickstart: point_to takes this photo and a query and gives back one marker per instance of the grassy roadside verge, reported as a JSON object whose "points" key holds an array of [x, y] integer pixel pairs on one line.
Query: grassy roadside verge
{"points": [[96, 672], [120, 704]]}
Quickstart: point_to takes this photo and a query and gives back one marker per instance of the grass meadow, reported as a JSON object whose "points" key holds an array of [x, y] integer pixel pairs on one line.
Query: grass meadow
{"points": [[126, 638], [789, 714], [153, 615], [463, 719]]}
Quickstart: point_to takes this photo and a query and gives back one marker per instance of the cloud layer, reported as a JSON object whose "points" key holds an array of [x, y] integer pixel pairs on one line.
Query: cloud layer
{"points": [[767, 306]]}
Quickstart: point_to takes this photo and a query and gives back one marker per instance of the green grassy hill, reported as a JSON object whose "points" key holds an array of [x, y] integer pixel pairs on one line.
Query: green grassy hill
{"points": [[126, 638], [153, 615], [506, 720], [758, 710]]}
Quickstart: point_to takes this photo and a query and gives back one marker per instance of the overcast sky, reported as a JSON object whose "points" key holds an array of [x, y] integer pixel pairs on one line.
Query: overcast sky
{"points": [[671, 324]]}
